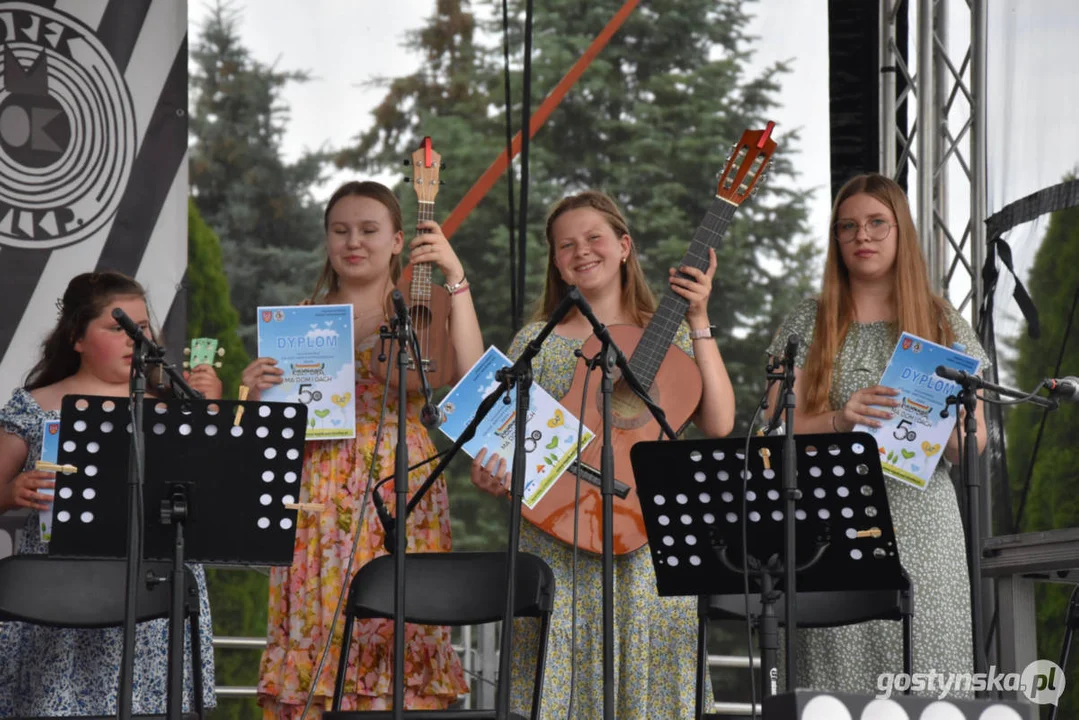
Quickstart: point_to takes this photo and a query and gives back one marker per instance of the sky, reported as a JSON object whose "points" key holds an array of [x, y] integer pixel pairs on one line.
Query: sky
{"points": [[347, 44]]}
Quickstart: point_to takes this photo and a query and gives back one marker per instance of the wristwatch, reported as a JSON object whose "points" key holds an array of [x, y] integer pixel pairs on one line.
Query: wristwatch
{"points": [[705, 332]]}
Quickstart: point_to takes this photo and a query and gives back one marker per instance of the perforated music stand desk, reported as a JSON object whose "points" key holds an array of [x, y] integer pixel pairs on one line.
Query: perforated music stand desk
{"points": [[691, 500], [238, 479]]}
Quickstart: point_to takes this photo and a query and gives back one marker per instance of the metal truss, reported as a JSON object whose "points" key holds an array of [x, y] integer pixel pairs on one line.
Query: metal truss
{"points": [[942, 152]]}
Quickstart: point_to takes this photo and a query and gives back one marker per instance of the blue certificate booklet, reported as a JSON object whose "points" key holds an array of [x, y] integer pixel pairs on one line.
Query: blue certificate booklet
{"points": [[313, 344], [551, 443], [50, 448], [913, 441]]}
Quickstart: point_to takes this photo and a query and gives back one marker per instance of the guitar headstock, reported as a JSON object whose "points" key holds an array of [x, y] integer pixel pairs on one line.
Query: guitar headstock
{"points": [[202, 352], [746, 165], [426, 164]]}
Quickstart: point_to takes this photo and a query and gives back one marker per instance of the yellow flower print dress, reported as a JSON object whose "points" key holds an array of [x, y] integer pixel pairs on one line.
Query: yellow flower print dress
{"points": [[303, 597]]}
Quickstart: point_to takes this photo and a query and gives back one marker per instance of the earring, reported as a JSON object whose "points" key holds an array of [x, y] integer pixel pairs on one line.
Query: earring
{"points": [[624, 259]]}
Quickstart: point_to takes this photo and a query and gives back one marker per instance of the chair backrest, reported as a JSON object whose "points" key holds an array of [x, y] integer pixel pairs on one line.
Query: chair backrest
{"points": [[461, 588], [80, 593], [821, 609]]}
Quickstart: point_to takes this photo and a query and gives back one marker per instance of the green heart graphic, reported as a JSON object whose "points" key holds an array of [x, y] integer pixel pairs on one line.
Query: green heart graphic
{"points": [[553, 444], [322, 413], [908, 454]]}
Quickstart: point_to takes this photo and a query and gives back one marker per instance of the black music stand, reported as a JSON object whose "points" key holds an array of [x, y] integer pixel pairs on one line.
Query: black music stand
{"points": [[691, 495], [229, 483]]}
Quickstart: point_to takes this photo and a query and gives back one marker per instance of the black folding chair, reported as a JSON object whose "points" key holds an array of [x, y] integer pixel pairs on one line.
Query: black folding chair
{"points": [[815, 610], [465, 588], [83, 593]]}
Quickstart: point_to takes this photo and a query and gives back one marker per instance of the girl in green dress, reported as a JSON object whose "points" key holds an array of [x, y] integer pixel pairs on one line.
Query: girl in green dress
{"points": [[875, 287], [589, 246]]}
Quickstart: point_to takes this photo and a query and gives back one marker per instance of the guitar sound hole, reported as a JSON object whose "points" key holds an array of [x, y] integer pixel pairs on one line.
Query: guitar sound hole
{"points": [[628, 412], [421, 317]]}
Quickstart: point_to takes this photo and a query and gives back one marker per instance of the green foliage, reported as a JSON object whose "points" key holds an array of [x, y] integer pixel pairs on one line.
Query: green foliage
{"points": [[1052, 503], [238, 598], [209, 312], [258, 204], [650, 122]]}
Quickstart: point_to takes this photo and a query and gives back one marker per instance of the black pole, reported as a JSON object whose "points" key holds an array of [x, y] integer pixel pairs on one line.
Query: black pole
{"points": [[791, 496], [134, 528], [175, 512], [971, 473], [523, 379], [526, 132], [400, 484], [607, 360]]}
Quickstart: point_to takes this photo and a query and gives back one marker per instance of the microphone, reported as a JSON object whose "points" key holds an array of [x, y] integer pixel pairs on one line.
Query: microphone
{"points": [[400, 307], [134, 331], [1065, 388], [430, 417], [951, 374], [790, 352], [388, 525]]}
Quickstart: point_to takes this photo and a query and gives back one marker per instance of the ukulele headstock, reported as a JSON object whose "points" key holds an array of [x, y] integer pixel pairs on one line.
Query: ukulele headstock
{"points": [[203, 351], [426, 163], [746, 165]]}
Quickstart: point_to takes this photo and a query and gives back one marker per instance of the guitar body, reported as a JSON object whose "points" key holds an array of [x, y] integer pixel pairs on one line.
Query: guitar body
{"points": [[677, 389], [430, 313]]}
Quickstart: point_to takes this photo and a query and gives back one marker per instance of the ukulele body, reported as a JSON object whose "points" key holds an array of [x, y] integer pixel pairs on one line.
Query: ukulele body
{"points": [[430, 313]]}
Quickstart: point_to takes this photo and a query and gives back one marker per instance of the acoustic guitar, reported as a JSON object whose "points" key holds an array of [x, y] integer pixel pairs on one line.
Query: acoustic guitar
{"points": [[428, 303], [670, 373]]}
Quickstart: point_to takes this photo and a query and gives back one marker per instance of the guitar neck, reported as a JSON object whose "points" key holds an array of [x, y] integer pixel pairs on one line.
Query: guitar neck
{"points": [[420, 288], [661, 331]]}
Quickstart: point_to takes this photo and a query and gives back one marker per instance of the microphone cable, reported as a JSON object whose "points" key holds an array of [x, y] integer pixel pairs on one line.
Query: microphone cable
{"points": [[347, 577], [745, 554], [576, 528]]}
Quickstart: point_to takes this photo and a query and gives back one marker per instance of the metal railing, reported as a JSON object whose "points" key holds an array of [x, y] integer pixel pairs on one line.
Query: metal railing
{"points": [[480, 665]]}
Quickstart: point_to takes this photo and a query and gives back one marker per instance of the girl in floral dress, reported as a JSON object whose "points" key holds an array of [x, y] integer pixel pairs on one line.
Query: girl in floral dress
{"points": [[46, 671], [364, 242]]}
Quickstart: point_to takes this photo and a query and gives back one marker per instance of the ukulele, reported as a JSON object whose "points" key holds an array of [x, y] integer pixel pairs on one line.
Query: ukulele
{"points": [[669, 372], [428, 303]]}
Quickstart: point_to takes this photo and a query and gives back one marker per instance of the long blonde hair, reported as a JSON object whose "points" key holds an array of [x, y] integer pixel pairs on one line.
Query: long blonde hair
{"points": [[917, 309], [637, 297], [328, 281]]}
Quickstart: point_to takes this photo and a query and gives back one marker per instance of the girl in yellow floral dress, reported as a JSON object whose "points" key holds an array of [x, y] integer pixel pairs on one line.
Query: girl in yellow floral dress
{"points": [[364, 242]]}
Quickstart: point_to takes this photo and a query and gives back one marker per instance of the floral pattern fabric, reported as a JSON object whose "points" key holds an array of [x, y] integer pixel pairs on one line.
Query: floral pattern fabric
{"points": [[929, 537], [47, 671], [305, 596], [655, 637]]}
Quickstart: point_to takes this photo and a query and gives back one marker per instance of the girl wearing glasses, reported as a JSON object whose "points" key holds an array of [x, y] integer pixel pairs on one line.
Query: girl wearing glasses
{"points": [[875, 287]]}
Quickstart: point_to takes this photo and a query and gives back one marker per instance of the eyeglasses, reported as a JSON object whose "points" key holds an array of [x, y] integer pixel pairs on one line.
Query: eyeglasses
{"points": [[876, 230]]}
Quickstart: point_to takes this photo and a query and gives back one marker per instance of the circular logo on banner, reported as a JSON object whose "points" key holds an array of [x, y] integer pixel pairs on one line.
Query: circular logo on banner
{"points": [[67, 130]]}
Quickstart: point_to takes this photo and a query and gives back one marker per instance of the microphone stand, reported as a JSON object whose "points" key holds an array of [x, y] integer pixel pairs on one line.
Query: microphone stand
{"points": [[396, 532], [609, 357], [970, 474], [791, 494], [144, 353]]}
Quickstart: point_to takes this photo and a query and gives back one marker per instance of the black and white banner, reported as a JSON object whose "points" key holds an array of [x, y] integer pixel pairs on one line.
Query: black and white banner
{"points": [[93, 159]]}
